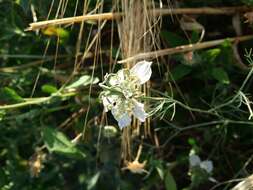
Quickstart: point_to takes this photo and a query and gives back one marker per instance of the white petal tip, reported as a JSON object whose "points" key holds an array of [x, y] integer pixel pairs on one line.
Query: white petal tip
{"points": [[139, 111], [142, 70], [194, 160], [124, 121]]}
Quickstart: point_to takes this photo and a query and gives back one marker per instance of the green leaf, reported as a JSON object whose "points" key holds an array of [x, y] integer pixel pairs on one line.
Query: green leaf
{"points": [[220, 75], [62, 33], [248, 2], [83, 81], [56, 31], [57, 142], [93, 181], [48, 88], [173, 39], [160, 171], [3, 178], [212, 54], [22, 118], [9, 95], [24, 4], [116, 54], [179, 72], [158, 166], [170, 183], [192, 141], [195, 37], [2, 114]]}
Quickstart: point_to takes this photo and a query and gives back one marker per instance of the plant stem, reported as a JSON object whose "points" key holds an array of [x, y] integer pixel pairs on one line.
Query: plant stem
{"points": [[156, 12], [33, 101], [184, 48]]}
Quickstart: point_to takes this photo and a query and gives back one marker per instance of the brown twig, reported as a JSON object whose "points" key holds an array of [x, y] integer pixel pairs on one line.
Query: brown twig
{"points": [[76, 19], [112, 16], [205, 10], [183, 48]]}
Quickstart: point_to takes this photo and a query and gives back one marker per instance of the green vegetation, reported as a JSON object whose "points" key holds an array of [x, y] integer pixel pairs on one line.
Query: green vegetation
{"points": [[55, 131]]}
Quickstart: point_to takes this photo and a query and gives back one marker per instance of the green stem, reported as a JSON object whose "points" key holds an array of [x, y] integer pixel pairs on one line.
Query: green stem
{"points": [[34, 101], [171, 100]]}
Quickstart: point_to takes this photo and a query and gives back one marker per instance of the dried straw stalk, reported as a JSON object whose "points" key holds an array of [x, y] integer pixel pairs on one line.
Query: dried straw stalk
{"points": [[138, 31], [183, 49], [158, 12]]}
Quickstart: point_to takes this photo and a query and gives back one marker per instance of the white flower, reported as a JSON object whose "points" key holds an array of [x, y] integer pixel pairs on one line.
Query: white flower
{"points": [[124, 120], [194, 160], [207, 165], [109, 101], [139, 111], [142, 70], [114, 80], [121, 112], [122, 90]]}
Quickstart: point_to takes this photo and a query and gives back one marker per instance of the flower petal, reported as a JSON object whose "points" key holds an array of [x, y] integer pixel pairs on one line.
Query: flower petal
{"points": [[139, 111], [120, 113], [207, 165], [124, 121], [194, 160], [122, 74], [142, 70], [106, 103], [109, 100], [113, 80]]}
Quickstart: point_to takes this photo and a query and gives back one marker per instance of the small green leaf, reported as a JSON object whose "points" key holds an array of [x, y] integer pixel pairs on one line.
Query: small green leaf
{"points": [[48, 88], [57, 142], [2, 114], [9, 95], [195, 36], [160, 172], [17, 1], [116, 54], [220, 75], [62, 33], [56, 31], [192, 141], [83, 81], [157, 164], [24, 4], [3, 178], [211, 55], [27, 115], [173, 39], [179, 72], [170, 183], [93, 181]]}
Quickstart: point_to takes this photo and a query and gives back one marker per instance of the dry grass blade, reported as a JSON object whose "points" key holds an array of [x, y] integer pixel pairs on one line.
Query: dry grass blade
{"points": [[76, 19], [184, 48], [246, 184], [206, 10], [138, 31], [158, 12]]}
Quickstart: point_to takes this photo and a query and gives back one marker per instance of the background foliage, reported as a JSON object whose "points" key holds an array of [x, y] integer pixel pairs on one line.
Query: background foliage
{"points": [[37, 150]]}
